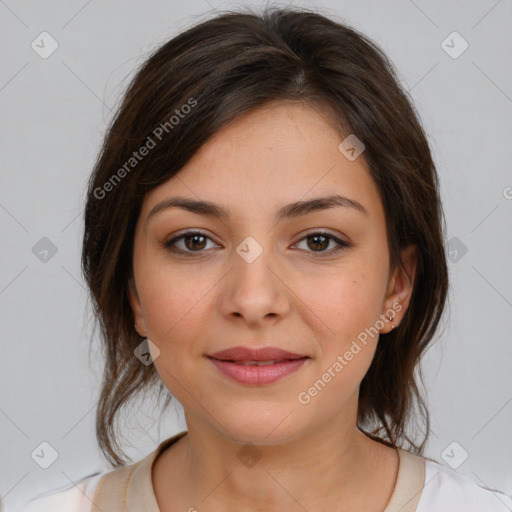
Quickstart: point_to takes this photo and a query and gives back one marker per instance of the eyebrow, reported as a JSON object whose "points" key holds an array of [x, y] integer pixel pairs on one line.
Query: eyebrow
{"points": [[288, 211]]}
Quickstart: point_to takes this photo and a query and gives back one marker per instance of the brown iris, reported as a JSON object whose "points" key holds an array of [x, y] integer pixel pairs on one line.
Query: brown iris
{"points": [[323, 244], [194, 244]]}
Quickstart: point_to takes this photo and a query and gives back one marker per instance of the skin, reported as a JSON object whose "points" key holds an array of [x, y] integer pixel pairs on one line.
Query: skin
{"points": [[193, 306]]}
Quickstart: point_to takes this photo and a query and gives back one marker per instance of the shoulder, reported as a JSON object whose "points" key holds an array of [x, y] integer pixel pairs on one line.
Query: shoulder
{"points": [[129, 481], [445, 490], [75, 497]]}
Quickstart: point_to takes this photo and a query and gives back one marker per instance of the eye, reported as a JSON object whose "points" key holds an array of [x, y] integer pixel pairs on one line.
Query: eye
{"points": [[319, 241], [188, 243], [191, 243]]}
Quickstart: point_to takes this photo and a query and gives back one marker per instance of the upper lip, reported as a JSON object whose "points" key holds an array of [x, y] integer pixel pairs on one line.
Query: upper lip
{"points": [[255, 354]]}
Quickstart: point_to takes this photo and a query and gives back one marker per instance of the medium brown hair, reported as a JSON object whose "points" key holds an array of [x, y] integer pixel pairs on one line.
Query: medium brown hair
{"points": [[224, 67]]}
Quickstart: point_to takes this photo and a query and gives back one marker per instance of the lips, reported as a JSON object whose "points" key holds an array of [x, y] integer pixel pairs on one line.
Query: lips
{"points": [[261, 356], [257, 366]]}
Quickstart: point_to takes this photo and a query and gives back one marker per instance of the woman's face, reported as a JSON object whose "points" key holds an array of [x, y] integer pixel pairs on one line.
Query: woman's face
{"points": [[267, 274]]}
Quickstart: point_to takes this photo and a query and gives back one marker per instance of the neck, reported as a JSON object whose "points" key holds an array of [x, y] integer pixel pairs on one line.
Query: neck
{"points": [[331, 464]]}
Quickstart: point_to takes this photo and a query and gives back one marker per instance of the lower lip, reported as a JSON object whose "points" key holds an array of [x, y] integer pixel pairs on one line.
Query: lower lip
{"points": [[256, 375]]}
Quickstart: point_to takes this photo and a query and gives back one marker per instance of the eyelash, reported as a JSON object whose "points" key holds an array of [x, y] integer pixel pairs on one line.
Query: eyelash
{"points": [[341, 245]]}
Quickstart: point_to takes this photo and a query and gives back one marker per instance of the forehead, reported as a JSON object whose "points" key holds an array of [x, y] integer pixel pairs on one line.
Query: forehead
{"points": [[276, 154]]}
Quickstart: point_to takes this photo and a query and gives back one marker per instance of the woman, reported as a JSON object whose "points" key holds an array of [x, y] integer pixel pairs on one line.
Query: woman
{"points": [[264, 242]]}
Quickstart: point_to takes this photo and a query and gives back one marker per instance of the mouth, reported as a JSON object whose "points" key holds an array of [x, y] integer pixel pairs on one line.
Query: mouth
{"points": [[257, 366]]}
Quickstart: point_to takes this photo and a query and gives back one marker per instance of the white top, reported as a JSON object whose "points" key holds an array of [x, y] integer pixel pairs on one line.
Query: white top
{"points": [[444, 490]]}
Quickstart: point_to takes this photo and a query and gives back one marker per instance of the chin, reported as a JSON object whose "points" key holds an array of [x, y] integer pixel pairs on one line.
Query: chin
{"points": [[268, 428]]}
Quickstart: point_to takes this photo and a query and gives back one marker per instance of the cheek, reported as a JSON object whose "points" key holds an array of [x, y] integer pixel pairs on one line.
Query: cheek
{"points": [[174, 302], [345, 301], [348, 308], [348, 303], [173, 320], [175, 314]]}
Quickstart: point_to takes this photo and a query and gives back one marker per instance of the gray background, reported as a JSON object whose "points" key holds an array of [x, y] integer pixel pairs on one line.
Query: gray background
{"points": [[54, 114]]}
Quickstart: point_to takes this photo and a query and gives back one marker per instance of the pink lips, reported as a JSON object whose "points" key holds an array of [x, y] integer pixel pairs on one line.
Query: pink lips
{"points": [[263, 365]]}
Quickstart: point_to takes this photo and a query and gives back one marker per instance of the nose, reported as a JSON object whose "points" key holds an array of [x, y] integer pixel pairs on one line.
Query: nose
{"points": [[254, 291]]}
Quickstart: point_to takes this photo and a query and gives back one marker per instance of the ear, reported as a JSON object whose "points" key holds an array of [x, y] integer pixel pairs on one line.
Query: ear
{"points": [[138, 312], [399, 290]]}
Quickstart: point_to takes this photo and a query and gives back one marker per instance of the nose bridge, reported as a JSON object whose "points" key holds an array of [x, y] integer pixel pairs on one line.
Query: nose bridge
{"points": [[254, 291]]}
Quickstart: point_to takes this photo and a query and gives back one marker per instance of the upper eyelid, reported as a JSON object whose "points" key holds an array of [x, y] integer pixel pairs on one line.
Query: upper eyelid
{"points": [[184, 234]]}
